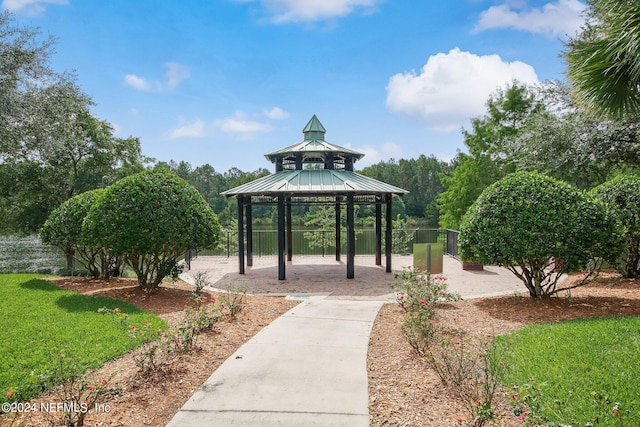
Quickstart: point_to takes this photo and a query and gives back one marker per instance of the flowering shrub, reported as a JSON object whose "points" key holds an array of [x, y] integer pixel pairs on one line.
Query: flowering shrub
{"points": [[185, 335], [418, 290], [117, 313], [469, 370], [468, 373], [418, 293], [153, 357], [144, 333], [79, 394]]}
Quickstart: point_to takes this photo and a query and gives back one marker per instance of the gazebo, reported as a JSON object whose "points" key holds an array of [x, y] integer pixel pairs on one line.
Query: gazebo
{"points": [[310, 172]]}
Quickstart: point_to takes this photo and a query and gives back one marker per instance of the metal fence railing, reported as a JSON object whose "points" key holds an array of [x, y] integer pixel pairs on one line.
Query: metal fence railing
{"points": [[452, 243], [322, 242]]}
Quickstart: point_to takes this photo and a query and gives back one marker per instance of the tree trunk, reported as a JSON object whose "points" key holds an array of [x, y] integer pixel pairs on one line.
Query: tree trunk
{"points": [[71, 260], [632, 269]]}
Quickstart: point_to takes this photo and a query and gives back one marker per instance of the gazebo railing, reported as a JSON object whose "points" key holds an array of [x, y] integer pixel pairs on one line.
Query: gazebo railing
{"points": [[322, 242]]}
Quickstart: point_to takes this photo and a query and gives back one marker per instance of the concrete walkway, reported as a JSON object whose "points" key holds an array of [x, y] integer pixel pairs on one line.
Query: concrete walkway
{"points": [[307, 368]]}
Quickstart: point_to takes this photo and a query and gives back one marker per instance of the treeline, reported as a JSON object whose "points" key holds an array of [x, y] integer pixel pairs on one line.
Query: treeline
{"points": [[419, 176]]}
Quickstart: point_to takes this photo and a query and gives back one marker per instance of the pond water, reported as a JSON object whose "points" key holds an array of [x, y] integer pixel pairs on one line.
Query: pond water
{"points": [[27, 254]]}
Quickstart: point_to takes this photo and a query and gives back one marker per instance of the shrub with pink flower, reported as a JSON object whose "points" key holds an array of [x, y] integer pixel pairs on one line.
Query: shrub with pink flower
{"points": [[418, 293], [420, 290]]}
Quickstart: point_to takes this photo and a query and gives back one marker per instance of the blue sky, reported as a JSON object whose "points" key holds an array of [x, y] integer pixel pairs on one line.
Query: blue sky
{"points": [[225, 81]]}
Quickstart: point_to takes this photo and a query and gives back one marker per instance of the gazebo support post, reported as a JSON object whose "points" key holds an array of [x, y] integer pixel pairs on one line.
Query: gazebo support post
{"points": [[337, 229], [351, 238], [388, 236], [378, 234], [241, 234], [249, 233], [289, 232], [281, 238]]}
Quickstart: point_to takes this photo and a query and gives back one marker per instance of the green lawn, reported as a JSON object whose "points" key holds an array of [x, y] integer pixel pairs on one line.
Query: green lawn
{"points": [[43, 327], [577, 372]]}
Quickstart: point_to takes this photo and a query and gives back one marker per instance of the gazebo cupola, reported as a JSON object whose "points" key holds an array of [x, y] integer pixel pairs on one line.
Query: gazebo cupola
{"points": [[314, 152]]}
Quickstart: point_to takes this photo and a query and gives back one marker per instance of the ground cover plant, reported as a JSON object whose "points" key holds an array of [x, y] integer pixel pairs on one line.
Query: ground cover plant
{"points": [[580, 372], [42, 323]]}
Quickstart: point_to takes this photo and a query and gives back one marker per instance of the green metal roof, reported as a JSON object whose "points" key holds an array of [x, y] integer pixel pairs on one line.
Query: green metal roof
{"points": [[314, 146], [309, 148], [314, 182], [336, 178], [314, 125]]}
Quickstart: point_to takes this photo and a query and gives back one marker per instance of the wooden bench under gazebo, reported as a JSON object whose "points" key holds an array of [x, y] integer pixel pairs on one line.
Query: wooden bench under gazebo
{"points": [[311, 172]]}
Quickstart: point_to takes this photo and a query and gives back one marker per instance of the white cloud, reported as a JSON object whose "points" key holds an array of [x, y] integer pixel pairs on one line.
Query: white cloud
{"points": [[176, 73], [197, 129], [277, 113], [138, 83], [553, 19], [373, 155], [32, 7], [242, 127], [239, 125], [451, 88], [282, 11]]}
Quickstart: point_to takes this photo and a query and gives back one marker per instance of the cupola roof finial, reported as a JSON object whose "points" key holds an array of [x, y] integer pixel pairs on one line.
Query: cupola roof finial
{"points": [[314, 130]]}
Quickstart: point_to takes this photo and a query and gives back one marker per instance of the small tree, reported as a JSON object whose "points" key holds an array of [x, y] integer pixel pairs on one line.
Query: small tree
{"points": [[539, 228], [622, 194], [323, 220], [63, 228], [151, 219]]}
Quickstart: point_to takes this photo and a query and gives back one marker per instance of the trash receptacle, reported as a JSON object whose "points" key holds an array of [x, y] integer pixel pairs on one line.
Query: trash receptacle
{"points": [[428, 257]]}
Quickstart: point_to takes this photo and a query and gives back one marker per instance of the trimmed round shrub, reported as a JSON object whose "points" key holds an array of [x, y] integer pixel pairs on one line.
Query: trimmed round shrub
{"points": [[151, 219], [622, 195], [539, 228], [63, 228]]}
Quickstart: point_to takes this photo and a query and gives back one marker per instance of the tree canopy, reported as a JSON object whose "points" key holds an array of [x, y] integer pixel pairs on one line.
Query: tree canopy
{"points": [[491, 146], [573, 144], [421, 177], [51, 146]]}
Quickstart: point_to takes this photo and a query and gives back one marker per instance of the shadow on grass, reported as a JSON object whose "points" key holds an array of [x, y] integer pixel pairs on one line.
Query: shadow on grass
{"points": [[40, 285], [91, 303]]}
